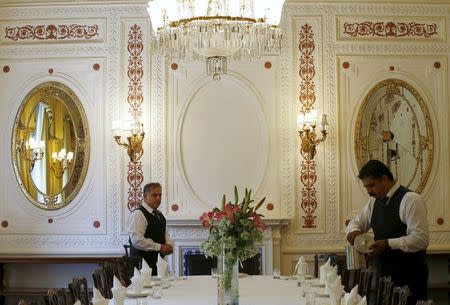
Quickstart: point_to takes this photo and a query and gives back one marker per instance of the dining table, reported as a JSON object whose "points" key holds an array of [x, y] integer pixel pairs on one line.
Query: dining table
{"points": [[253, 290]]}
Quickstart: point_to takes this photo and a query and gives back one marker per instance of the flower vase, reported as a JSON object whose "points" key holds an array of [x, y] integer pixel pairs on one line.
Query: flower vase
{"points": [[230, 280]]}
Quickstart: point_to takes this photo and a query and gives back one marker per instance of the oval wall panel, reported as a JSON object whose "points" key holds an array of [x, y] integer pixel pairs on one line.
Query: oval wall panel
{"points": [[223, 141]]}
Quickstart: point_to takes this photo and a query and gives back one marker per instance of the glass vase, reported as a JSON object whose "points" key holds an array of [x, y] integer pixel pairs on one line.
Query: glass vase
{"points": [[230, 279]]}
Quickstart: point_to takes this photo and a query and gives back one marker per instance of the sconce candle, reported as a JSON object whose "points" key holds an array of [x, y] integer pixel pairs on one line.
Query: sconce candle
{"points": [[324, 120], [308, 135], [134, 134], [32, 151], [61, 161]]}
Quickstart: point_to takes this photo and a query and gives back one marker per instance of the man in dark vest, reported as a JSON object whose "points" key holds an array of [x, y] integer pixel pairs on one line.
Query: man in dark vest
{"points": [[147, 228], [398, 218]]}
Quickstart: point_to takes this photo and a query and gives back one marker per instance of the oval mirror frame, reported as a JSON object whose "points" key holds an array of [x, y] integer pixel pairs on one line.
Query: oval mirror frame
{"points": [[76, 161], [394, 125]]}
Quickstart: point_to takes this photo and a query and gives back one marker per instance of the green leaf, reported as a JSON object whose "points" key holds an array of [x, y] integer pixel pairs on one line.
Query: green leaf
{"points": [[236, 196], [223, 201], [260, 203]]}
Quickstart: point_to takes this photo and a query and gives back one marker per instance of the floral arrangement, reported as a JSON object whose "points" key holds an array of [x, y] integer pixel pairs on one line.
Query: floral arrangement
{"points": [[234, 230]]}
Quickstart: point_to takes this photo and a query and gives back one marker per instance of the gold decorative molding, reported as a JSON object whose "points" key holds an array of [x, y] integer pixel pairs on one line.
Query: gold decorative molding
{"points": [[53, 31], [391, 28], [135, 175], [307, 98]]}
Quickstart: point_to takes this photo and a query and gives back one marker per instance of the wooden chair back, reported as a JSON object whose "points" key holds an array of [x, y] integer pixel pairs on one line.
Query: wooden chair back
{"points": [[79, 290], [365, 282], [400, 295], [385, 286], [59, 297]]}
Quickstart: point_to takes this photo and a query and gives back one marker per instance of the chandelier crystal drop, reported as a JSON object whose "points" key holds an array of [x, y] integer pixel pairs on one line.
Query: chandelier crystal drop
{"points": [[215, 30]]}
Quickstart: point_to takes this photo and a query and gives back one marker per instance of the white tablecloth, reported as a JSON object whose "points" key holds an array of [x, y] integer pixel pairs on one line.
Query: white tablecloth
{"points": [[253, 290]]}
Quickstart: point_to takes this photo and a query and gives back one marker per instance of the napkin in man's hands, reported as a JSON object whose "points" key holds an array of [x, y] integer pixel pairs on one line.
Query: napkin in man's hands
{"points": [[162, 266], [118, 291], [352, 298]]}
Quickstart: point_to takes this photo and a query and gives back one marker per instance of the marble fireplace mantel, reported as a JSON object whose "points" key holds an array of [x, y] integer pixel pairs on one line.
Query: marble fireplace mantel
{"points": [[189, 234]]}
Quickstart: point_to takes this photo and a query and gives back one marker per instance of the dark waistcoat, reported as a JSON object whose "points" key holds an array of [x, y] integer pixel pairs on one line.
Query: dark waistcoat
{"points": [[405, 268], [156, 231]]}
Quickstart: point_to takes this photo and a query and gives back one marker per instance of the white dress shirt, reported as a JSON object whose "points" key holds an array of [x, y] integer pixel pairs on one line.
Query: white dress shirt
{"points": [[137, 225], [412, 212]]}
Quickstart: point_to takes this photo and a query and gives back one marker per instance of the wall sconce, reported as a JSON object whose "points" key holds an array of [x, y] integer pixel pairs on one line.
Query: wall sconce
{"points": [[32, 151], [60, 162], [134, 133], [308, 134]]}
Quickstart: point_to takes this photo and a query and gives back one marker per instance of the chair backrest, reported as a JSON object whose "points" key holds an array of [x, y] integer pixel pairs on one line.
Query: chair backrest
{"points": [[251, 266], [347, 276], [59, 297], [125, 268], [365, 282], [384, 292], [101, 282], [79, 290], [400, 295], [334, 259], [22, 302]]}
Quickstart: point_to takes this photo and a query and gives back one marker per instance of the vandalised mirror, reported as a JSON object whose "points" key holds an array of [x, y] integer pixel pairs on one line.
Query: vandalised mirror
{"points": [[50, 145], [394, 126]]}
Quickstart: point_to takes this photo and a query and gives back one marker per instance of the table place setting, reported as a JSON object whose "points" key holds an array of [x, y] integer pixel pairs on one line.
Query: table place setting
{"points": [[118, 291], [97, 298]]}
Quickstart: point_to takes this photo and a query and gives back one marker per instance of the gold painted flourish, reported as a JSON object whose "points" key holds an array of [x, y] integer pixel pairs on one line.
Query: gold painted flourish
{"points": [[389, 29], [51, 32], [307, 98], [135, 99]]}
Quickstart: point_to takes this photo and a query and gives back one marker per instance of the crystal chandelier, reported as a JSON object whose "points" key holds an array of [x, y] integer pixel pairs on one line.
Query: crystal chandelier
{"points": [[215, 30]]}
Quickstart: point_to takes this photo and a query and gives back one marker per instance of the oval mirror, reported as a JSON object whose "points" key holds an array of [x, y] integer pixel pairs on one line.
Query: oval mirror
{"points": [[50, 145], [394, 126]]}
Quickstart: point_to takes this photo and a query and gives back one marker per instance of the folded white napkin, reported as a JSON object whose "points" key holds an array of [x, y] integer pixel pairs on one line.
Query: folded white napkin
{"points": [[324, 270], [78, 302], [161, 266], [301, 268], [137, 281], [332, 275], [118, 291], [363, 301], [331, 278], [335, 289], [97, 298], [146, 273], [352, 298]]}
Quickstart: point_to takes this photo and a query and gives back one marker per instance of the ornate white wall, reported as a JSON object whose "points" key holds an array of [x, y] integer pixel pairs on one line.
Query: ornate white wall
{"points": [[203, 137], [44, 45]]}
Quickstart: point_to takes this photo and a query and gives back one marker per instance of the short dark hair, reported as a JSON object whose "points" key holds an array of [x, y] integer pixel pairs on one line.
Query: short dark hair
{"points": [[375, 169], [151, 185]]}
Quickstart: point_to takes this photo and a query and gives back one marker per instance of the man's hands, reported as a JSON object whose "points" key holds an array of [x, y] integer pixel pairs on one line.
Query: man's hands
{"points": [[378, 247], [352, 235], [166, 249]]}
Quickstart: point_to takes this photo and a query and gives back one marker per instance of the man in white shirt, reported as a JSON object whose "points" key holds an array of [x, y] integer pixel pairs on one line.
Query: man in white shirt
{"points": [[398, 218], [147, 228]]}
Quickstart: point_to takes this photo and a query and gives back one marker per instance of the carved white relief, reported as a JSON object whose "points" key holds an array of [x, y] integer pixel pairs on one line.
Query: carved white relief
{"points": [[107, 208], [220, 134], [333, 238]]}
